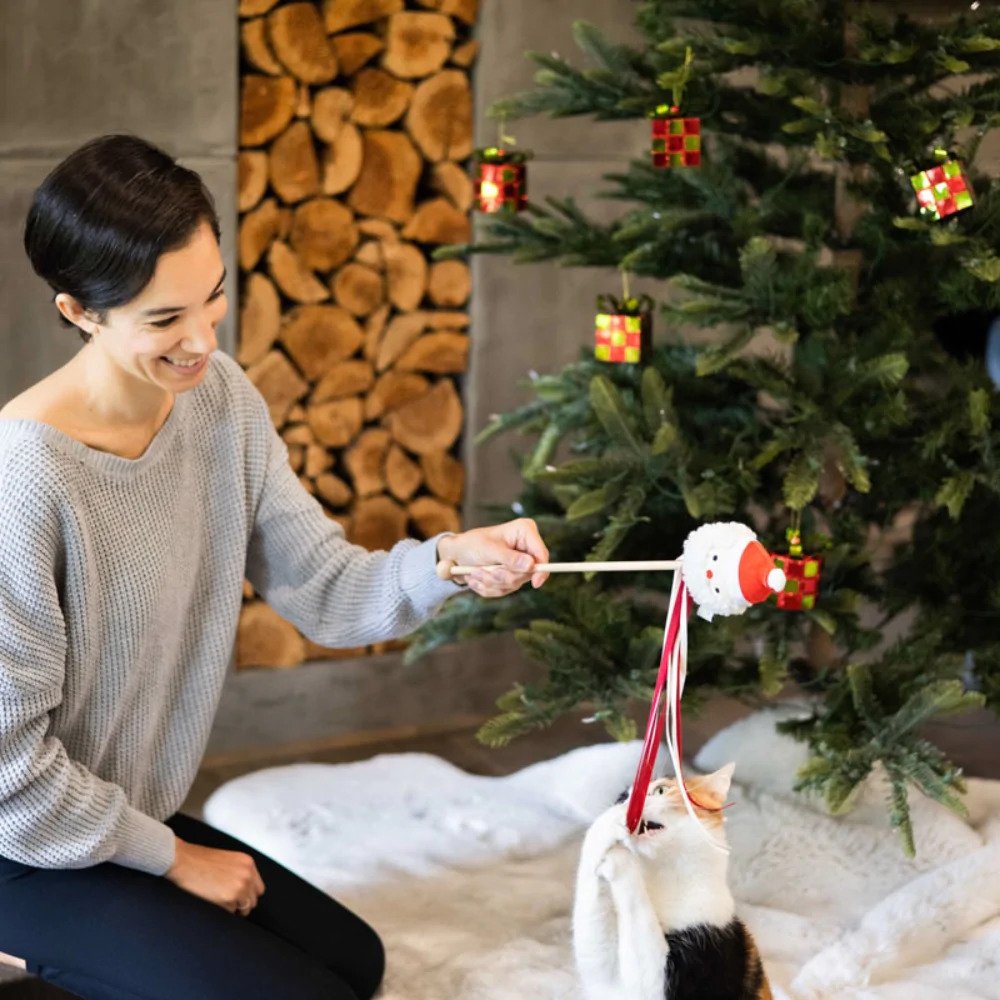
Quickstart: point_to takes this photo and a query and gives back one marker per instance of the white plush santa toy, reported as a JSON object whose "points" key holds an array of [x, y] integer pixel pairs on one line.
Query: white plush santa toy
{"points": [[726, 569]]}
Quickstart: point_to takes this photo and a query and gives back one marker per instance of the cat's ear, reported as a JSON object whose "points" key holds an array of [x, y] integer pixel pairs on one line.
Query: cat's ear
{"points": [[716, 785]]}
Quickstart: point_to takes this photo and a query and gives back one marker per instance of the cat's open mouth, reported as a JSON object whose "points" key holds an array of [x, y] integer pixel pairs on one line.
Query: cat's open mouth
{"points": [[647, 826]]}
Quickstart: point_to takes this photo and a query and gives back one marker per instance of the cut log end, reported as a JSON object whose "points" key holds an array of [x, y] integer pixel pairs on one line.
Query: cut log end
{"points": [[257, 49], [450, 283], [417, 43], [354, 49], [430, 423], [339, 15], [319, 336], [323, 234], [260, 319], [251, 178], [390, 170], [293, 166], [358, 288], [406, 274], [299, 41], [331, 107], [440, 116], [379, 98], [292, 276], [438, 221], [342, 160], [267, 105]]}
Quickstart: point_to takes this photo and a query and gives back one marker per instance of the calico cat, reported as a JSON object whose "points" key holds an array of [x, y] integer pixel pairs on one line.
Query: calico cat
{"points": [[653, 917]]}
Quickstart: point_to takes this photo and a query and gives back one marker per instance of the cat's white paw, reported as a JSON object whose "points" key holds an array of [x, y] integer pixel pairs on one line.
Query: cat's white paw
{"points": [[609, 828], [616, 860]]}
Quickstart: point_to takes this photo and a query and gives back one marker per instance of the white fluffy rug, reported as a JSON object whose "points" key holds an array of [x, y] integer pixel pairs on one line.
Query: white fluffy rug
{"points": [[469, 879]]}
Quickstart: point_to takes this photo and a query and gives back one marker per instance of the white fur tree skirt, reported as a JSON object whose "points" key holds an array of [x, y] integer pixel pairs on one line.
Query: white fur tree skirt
{"points": [[469, 879]]}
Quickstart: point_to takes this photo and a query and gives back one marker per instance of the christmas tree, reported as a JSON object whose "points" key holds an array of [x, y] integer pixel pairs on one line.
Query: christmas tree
{"points": [[836, 396]]}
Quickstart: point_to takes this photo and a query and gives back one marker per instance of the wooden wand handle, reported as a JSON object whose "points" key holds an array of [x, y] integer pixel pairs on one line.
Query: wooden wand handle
{"points": [[446, 569]]}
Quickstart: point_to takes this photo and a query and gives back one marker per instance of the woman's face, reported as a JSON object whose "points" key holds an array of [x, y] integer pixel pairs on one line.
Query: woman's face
{"points": [[166, 333]]}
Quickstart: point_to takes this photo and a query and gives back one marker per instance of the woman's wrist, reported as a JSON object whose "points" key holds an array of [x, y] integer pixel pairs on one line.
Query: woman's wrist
{"points": [[446, 548], [448, 556]]}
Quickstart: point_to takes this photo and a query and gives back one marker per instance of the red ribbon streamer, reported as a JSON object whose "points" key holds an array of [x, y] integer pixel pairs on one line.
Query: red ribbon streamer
{"points": [[651, 744], [643, 775]]}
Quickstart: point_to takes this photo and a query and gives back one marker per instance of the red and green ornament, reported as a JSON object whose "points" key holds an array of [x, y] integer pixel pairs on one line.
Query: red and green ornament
{"points": [[676, 138], [942, 190], [623, 329], [802, 574], [501, 180]]}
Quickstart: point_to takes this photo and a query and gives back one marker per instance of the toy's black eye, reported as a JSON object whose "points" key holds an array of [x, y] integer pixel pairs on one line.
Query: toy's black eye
{"points": [[717, 590], [715, 558]]}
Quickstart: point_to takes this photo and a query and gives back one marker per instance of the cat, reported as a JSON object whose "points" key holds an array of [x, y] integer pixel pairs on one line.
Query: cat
{"points": [[653, 917]]}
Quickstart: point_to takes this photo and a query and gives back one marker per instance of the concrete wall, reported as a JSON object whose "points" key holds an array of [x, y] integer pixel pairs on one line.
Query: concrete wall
{"points": [[74, 69]]}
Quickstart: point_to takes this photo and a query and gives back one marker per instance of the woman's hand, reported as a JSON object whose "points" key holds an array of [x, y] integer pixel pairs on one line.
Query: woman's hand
{"points": [[226, 878], [506, 553]]}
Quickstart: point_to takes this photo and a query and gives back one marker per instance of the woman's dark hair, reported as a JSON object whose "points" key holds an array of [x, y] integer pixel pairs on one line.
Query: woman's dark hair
{"points": [[100, 221]]}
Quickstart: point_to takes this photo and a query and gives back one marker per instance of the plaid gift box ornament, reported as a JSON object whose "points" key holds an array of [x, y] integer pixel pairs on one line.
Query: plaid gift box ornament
{"points": [[501, 180], [623, 329], [802, 575], [676, 139], [942, 190]]}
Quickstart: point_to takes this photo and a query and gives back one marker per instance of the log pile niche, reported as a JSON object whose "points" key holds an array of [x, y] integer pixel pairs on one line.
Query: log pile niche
{"points": [[355, 128]]}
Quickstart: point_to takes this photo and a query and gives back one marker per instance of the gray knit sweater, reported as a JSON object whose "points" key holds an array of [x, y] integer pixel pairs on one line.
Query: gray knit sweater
{"points": [[120, 590]]}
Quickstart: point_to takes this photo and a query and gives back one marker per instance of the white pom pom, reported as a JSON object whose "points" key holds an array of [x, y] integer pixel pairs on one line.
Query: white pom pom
{"points": [[776, 580]]}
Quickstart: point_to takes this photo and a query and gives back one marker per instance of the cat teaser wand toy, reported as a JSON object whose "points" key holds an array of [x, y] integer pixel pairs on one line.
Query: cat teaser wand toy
{"points": [[724, 570]]}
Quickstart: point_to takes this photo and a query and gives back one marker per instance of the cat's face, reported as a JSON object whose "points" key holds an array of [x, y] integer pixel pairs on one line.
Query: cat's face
{"points": [[666, 821]]}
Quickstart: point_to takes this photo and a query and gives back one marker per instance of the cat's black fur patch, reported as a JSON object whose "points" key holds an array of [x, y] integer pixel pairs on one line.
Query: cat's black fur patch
{"points": [[621, 798], [712, 963]]}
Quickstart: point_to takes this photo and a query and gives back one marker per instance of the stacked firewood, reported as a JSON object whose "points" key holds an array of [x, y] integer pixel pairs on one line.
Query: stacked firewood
{"points": [[355, 120]]}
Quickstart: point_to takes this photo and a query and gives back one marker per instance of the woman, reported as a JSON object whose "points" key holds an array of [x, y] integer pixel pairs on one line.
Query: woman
{"points": [[139, 484]]}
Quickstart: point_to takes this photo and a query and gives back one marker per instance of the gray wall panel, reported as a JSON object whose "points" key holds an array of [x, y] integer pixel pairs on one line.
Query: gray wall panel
{"points": [[74, 69]]}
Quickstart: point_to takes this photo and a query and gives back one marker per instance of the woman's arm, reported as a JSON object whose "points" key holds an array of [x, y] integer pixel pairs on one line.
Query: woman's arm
{"points": [[339, 594], [336, 593]]}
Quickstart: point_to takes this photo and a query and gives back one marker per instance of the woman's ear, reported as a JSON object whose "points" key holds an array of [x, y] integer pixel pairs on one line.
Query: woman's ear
{"points": [[75, 313]]}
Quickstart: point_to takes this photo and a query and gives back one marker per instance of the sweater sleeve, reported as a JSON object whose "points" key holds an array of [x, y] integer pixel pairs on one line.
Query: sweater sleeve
{"points": [[336, 593], [54, 813]]}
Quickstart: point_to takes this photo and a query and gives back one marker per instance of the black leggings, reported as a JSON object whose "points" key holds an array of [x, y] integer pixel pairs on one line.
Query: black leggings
{"points": [[112, 933]]}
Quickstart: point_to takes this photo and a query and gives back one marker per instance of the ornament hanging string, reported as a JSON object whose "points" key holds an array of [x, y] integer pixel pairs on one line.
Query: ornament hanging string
{"points": [[504, 140]]}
